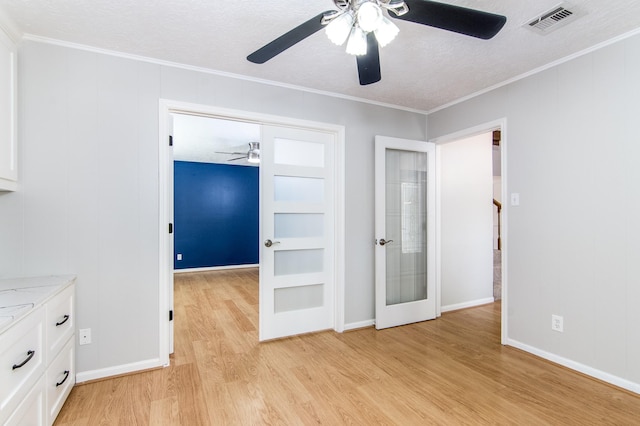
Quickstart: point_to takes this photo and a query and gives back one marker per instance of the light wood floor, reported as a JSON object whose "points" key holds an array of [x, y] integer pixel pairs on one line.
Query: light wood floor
{"points": [[450, 371]]}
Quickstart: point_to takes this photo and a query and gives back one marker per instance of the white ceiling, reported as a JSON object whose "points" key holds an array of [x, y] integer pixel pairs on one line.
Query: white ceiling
{"points": [[206, 139], [422, 69]]}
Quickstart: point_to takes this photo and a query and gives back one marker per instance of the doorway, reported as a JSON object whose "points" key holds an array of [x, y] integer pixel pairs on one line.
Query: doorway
{"points": [[216, 194], [465, 218], [336, 271]]}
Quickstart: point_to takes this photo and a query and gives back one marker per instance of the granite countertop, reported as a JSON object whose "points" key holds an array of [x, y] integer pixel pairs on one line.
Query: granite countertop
{"points": [[19, 295]]}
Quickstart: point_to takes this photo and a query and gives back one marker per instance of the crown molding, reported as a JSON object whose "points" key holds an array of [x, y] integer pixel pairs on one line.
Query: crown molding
{"points": [[46, 40], [539, 69], [9, 27]]}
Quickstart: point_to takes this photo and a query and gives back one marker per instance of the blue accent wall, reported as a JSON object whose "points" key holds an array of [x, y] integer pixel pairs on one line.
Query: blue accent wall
{"points": [[215, 214]]}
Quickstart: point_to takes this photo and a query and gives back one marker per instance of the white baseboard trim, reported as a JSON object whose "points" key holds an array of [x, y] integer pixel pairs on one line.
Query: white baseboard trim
{"points": [[573, 365], [369, 323], [85, 376], [465, 305], [214, 268], [359, 324]]}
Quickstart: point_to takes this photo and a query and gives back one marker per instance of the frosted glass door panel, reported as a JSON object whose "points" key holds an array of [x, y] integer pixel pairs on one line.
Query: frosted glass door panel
{"points": [[406, 225], [298, 225], [289, 262], [298, 189], [298, 153], [296, 298]]}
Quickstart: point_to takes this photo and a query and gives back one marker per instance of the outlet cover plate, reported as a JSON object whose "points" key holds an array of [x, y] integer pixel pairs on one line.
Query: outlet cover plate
{"points": [[557, 323], [84, 336]]}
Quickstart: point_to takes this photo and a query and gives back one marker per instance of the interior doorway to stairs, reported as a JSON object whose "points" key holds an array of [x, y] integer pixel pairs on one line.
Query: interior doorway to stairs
{"points": [[497, 213], [466, 193]]}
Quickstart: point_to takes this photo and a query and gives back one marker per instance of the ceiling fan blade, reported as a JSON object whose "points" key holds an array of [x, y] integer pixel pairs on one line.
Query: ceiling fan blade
{"points": [[288, 39], [237, 158], [230, 153], [471, 22], [369, 64]]}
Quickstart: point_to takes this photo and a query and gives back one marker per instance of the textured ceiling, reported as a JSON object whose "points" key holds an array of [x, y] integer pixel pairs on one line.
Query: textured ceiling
{"points": [[208, 140], [422, 69]]}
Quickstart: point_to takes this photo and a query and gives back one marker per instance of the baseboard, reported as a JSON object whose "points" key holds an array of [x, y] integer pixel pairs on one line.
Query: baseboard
{"points": [[118, 370], [369, 323], [359, 324], [573, 365], [214, 268], [465, 305]]}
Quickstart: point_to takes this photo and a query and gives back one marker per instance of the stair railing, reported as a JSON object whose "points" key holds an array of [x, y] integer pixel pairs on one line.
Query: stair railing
{"points": [[498, 204]]}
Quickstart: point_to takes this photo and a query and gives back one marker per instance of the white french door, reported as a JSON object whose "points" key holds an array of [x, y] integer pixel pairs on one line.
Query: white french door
{"points": [[405, 231], [297, 224]]}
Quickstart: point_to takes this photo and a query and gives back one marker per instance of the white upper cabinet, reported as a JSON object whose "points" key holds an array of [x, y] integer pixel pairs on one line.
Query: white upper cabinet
{"points": [[8, 119]]}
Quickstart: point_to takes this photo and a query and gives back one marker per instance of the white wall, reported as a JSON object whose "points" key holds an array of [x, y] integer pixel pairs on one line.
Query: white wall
{"points": [[88, 202], [466, 204], [574, 241]]}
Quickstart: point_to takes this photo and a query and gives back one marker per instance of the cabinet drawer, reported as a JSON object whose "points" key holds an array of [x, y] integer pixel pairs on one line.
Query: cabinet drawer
{"points": [[31, 410], [60, 322], [21, 360], [61, 376]]}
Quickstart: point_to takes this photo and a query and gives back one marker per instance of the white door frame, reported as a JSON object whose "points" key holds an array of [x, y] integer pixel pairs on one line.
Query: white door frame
{"points": [[499, 124], [167, 107]]}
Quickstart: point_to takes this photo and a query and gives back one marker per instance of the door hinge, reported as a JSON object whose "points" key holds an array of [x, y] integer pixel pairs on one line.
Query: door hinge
{"points": [[171, 315], [171, 228], [170, 140]]}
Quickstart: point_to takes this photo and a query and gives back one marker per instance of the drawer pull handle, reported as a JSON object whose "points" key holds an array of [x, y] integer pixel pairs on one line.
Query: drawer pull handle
{"points": [[66, 318], [66, 376], [30, 355]]}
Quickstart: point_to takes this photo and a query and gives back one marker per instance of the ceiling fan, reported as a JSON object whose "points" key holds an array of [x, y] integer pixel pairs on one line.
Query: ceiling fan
{"points": [[362, 24], [252, 155]]}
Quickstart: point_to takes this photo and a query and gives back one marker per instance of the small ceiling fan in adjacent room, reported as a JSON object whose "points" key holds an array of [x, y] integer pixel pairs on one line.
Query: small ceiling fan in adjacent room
{"points": [[363, 26], [252, 155]]}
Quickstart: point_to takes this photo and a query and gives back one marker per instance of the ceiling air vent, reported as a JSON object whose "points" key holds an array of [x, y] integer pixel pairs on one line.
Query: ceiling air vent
{"points": [[553, 19]]}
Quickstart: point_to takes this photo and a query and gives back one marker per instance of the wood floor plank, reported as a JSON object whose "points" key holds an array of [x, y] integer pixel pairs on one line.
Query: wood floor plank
{"points": [[452, 370], [165, 412]]}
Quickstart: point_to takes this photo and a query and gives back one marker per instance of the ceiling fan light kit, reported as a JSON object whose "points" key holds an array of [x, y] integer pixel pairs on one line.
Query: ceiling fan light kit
{"points": [[253, 155], [386, 32], [364, 26], [357, 44], [339, 28], [359, 18]]}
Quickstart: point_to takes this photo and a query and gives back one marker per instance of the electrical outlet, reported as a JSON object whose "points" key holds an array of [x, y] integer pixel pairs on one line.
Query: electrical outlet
{"points": [[84, 336], [179, 256], [557, 323]]}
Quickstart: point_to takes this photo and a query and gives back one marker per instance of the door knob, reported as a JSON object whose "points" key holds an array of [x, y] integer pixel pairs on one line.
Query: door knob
{"points": [[269, 243], [383, 241]]}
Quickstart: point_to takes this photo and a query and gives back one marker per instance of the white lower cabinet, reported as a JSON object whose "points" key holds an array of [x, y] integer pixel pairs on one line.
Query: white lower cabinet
{"points": [[37, 359], [31, 411]]}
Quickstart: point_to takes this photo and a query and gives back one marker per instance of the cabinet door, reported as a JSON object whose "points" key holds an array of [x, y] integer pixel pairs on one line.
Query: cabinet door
{"points": [[8, 121]]}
